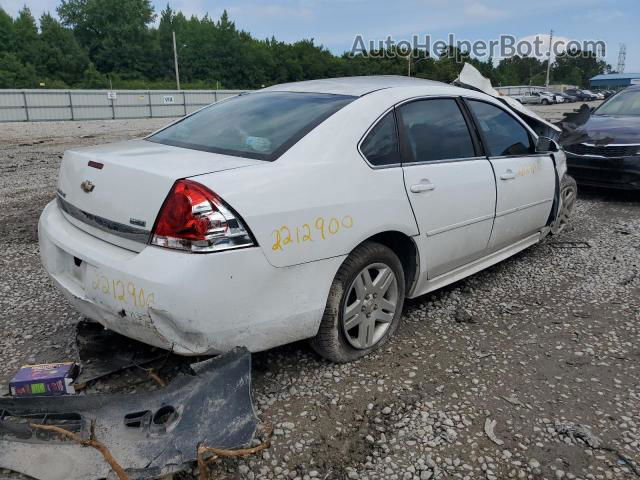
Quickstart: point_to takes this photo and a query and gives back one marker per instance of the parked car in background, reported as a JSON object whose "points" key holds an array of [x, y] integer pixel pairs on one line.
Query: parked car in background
{"points": [[526, 99], [582, 95], [303, 210], [538, 98], [568, 98], [603, 146], [594, 96]]}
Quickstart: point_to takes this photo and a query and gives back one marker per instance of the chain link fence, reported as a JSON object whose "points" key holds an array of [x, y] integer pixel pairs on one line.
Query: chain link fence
{"points": [[46, 105]]}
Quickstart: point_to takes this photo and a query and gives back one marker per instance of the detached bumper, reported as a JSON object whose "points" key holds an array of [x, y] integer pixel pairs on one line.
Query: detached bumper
{"points": [[619, 173], [191, 303]]}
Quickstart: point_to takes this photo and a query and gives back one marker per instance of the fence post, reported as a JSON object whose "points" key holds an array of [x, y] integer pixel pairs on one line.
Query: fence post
{"points": [[184, 101], [71, 104], [215, 96], [26, 106], [113, 110], [150, 106]]}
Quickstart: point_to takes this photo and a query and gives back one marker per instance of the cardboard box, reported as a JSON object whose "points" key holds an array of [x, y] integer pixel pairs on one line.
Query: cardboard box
{"points": [[44, 380]]}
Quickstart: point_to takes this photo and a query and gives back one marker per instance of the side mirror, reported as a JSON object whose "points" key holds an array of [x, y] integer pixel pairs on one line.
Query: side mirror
{"points": [[546, 145]]}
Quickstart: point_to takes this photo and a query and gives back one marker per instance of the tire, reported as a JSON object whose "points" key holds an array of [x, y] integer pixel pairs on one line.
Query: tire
{"points": [[568, 196], [372, 319], [545, 102]]}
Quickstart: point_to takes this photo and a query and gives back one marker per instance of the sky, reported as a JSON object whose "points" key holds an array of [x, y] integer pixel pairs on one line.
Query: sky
{"points": [[335, 23]]}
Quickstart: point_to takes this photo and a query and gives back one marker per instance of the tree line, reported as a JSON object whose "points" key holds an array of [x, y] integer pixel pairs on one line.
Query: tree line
{"points": [[123, 44]]}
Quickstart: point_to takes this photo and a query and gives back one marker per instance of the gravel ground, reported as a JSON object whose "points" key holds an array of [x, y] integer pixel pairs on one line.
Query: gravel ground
{"points": [[529, 369]]}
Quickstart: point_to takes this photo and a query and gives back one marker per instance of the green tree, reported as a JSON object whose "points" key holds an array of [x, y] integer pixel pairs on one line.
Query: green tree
{"points": [[115, 33], [577, 67], [7, 32], [14, 73], [92, 78], [26, 40], [60, 56]]}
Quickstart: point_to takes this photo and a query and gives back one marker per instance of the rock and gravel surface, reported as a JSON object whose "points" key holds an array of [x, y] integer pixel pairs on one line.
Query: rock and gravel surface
{"points": [[528, 370]]}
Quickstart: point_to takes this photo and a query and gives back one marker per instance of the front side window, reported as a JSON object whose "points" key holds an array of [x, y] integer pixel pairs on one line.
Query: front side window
{"points": [[434, 130], [503, 134], [380, 147], [261, 125]]}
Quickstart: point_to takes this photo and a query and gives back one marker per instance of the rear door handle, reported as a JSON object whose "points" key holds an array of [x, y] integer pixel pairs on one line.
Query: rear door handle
{"points": [[422, 187], [508, 175]]}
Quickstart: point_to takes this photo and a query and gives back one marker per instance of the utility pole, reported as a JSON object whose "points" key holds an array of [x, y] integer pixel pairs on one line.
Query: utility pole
{"points": [[546, 83], [175, 60]]}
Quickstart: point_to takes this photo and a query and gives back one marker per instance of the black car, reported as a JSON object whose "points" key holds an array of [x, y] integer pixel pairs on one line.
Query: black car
{"points": [[568, 98], [603, 144], [581, 94]]}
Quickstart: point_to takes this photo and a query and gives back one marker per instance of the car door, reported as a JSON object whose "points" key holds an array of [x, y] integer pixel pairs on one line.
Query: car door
{"points": [[449, 182], [525, 180]]}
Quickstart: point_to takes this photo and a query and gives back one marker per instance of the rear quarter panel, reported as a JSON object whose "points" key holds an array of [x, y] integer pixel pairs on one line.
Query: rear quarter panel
{"points": [[320, 199]]}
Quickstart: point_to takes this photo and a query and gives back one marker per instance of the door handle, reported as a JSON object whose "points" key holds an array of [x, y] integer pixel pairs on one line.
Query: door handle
{"points": [[422, 187], [508, 175]]}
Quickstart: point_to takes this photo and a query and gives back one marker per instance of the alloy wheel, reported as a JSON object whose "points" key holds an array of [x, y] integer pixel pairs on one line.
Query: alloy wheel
{"points": [[568, 197], [370, 305]]}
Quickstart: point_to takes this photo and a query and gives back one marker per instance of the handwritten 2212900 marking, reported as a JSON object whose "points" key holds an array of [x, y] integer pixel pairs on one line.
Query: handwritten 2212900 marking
{"points": [[128, 293], [322, 229]]}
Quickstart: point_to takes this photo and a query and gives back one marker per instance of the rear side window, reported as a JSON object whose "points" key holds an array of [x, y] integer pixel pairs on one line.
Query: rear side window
{"points": [[503, 135], [435, 130], [261, 125], [381, 147]]}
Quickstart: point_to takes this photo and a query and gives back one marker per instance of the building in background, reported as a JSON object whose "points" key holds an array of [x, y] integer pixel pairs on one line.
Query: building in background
{"points": [[615, 80]]}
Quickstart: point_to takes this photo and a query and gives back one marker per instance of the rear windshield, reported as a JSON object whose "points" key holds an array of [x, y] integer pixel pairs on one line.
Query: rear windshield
{"points": [[261, 125], [624, 103]]}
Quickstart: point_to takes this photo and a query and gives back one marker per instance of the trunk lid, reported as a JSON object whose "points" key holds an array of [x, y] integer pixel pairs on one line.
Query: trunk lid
{"points": [[115, 191]]}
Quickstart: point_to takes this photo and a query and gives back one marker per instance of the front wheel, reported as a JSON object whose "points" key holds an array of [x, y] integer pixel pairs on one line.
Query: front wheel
{"points": [[364, 305], [545, 102], [568, 197]]}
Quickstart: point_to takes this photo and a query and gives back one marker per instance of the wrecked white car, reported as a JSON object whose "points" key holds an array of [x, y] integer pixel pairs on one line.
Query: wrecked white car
{"points": [[304, 210]]}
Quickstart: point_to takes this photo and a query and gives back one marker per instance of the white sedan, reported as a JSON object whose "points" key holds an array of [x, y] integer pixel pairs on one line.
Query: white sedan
{"points": [[304, 210]]}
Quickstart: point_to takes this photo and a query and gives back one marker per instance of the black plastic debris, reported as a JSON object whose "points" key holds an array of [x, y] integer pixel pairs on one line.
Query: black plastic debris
{"points": [[103, 352], [149, 434]]}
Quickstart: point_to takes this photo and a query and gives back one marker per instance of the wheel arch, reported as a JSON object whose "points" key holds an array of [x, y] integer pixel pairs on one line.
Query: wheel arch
{"points": [[407, 251]]}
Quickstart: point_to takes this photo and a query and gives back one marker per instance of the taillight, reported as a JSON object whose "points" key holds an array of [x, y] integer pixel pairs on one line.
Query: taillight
{"points": [[195, 219]]}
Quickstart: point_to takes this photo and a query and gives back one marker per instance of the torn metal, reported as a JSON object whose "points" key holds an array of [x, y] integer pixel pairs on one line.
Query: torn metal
{"points": [[149, 434]]}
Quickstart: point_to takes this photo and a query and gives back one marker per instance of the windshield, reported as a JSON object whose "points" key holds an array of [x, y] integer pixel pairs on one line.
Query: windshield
{"points": [[624, 103], [261, 125]]}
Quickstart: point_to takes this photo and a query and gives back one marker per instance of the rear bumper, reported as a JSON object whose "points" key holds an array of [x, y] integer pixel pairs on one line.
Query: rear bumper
{"points": [[620, 173], [193, 304]]}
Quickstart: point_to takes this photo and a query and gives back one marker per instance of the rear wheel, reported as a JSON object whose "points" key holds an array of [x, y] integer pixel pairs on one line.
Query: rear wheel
{"points": [[364, 305], [568, 197]]}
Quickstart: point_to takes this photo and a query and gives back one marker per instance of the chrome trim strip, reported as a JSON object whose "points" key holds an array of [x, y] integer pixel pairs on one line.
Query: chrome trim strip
{"points": [[523, 207], [460, 225], [444, 160], [119, 229]]}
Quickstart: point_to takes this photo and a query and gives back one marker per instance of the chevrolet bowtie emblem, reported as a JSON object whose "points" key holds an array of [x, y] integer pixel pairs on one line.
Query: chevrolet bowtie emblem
{"points": [[87, 186]]}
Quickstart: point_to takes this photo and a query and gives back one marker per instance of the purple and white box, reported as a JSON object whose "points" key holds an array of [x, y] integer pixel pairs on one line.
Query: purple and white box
{"points": [[44, 380]]}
